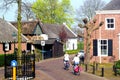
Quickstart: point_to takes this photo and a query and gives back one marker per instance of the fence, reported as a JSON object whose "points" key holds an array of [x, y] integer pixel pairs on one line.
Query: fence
{"points": [[25, 70]]}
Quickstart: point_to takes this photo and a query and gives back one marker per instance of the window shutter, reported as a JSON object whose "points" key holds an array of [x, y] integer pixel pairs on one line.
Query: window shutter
{"points": [[29, 46], [95, 49], [110, 47], [3, 46], [9, 46]]}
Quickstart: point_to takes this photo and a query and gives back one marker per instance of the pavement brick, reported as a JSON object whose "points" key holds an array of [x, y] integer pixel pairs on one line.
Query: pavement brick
{"points": [[52, 69]]}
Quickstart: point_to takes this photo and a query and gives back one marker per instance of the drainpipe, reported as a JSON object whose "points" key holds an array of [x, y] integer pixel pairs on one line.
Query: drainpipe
{"points": [[119, 45], [100, 39]]}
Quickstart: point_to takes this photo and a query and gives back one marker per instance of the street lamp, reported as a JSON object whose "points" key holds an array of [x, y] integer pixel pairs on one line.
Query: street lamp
{"points": [[14, 37]]}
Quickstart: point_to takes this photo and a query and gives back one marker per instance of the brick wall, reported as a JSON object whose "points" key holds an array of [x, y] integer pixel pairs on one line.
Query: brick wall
{"points": [[101, 33], [23, 45]]}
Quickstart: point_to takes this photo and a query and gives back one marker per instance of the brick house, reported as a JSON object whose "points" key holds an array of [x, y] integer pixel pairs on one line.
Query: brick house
{"points": [[106, 40], [36, 32], [7, 41]]}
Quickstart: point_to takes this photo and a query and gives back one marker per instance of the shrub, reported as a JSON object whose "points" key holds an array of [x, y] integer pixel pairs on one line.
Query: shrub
{"points": [[117, 64], [71, 51], [9, 58], [117, 67], [81, 46], [1, 60]]}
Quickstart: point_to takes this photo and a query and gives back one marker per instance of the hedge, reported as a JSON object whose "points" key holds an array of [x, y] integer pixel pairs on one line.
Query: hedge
{"points": [[2, 59]]}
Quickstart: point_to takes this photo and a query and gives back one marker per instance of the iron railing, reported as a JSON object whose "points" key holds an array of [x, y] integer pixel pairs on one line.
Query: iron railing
{"points": [[26, 69]]}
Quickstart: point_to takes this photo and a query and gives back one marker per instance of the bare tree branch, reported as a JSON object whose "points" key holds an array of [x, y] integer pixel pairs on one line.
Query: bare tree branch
{"points": [[6, 4], [87, 10], [27, 11], [97, 27], [89, 28]]}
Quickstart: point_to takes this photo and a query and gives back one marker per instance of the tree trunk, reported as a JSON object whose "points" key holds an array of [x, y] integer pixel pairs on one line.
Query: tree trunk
{"points": [[88, 46], [19, 37], [19, 31], [90, 27]]}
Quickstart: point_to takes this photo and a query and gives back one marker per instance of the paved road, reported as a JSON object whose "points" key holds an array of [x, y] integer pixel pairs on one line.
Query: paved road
{"points": [[54, 68], [1, 73]]}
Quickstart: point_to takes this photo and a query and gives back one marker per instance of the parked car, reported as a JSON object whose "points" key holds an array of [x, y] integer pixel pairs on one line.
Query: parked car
{"points": [[81, 55]]}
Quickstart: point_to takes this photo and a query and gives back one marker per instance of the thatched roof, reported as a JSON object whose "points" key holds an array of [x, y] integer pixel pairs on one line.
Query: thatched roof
{"points": [[6, 31], [27, 27], [52, 30]]}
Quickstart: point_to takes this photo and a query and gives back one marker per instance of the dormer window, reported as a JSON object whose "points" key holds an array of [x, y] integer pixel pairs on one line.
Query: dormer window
{"points": [[110, 23]]}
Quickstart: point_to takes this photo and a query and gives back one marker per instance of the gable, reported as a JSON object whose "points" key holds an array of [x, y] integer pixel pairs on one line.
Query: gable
{"points": [[37, 30]]}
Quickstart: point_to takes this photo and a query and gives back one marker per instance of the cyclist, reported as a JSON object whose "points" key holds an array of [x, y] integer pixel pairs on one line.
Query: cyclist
{"points": [[66, 61]]}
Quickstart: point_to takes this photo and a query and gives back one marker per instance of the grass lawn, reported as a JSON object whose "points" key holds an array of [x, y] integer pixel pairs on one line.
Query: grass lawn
{"points": [[108, 71]]}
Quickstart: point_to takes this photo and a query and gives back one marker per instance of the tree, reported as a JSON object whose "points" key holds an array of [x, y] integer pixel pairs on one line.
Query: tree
{"points": [[63, 35], [90, 26], [27, 12], [87, 10], [19, 30], [53, 11], [7, 4]]}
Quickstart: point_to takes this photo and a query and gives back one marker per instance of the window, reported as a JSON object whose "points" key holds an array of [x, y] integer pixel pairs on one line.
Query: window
{"points": [[67, 45], [6, 46], [102, 47], [110, 23]]}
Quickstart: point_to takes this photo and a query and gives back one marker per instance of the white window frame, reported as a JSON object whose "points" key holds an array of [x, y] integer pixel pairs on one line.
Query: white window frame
{"points": [[99, 47], [106, 27]]}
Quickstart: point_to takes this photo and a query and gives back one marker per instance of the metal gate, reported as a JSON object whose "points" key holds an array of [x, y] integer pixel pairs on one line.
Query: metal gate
{"points": [[27, 68]]}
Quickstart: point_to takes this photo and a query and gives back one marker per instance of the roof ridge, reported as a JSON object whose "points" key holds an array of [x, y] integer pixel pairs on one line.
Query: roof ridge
{"points": [[112, 5], [69, 29]]}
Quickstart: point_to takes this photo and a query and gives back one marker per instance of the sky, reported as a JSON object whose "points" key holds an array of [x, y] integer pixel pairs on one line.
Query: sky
{"points": [[10, 15]]}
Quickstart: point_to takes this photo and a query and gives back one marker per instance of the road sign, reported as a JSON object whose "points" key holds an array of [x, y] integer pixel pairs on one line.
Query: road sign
{"points": [[13, 63], [42, 43]]}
